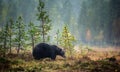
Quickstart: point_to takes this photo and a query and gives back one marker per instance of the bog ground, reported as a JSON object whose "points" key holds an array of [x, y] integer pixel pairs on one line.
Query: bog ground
{"points": [[97, 60]]}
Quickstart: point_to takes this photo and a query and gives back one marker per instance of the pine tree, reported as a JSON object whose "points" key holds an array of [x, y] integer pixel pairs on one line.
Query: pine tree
{"points": [[4, 36], [43, 17], [34, 33], [67, 40], [1, 42], [10, 33], [20, 34]]}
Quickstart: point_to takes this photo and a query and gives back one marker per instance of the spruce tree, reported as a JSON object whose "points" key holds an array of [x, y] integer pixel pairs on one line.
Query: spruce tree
{"points": [[34, 33], [43, 17], [10, 33], [4, 36], [67, 40], [20, 33]]}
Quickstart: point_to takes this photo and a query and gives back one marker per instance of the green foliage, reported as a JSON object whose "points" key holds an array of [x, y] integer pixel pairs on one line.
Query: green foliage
{"points": [[1, 38], [10, 33], [42, 14], [57, 37], [4, 64], [34, 32], [20, 33], [4, 37], [43, 17], [67, 40], [4, 60]]}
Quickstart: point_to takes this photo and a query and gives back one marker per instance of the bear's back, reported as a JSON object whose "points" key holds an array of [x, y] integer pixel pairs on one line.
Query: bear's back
{"points": [[42, 50]]}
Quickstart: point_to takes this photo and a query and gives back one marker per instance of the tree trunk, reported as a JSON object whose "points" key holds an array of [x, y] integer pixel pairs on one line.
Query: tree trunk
{"points": [[10, 44], [19, 43], [18, 50], [68, 42], [4, 47], [5, 41], [32, 42], [57, 38], [43, 31]]}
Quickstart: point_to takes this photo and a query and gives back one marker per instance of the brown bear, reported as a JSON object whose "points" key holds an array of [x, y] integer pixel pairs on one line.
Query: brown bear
{"points": [[44, 50]]}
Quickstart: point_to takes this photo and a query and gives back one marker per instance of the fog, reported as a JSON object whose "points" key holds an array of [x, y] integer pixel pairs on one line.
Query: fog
{"points": [[93, 22]]}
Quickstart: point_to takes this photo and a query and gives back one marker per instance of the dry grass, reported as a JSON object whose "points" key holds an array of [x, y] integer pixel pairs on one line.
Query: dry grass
{"points": [[91, 61], [98, 53]]}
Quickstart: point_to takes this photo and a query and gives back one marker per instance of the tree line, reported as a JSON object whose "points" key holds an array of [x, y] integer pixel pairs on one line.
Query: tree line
{"points": [[20, 35]]}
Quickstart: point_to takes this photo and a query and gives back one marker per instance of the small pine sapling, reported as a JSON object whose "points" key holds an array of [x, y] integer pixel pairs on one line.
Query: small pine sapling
{"points": [[67, 40]]}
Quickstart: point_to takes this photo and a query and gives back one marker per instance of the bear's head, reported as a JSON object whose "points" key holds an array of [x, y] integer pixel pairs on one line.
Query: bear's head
{"points": [[59, 51]]}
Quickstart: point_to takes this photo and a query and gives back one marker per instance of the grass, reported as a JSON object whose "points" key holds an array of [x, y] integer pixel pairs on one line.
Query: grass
{"points": [[94, 61]]}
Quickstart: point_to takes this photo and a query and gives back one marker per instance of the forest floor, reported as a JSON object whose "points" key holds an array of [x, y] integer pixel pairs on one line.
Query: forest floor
{"points": [[97, 60]]}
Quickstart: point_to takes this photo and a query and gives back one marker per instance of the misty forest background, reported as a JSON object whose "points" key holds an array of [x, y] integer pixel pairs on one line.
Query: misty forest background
{"points": [[87, 30], [91, 22]]}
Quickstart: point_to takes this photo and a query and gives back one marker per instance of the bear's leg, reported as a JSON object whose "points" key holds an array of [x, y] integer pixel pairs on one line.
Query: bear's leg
{"points": [[53, 57]]}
